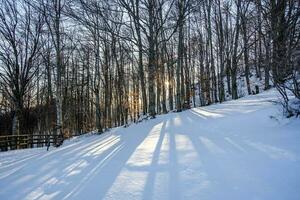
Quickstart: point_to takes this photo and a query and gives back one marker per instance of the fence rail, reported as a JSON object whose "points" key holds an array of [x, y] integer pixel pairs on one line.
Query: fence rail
{"points": [[10, 142]]}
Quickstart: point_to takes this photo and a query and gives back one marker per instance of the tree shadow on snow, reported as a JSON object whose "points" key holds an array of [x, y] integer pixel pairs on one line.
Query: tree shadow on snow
{"points": [[88, 170]]}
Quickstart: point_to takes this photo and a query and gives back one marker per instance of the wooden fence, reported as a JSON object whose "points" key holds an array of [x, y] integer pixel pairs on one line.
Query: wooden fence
{"points": [[10, 142]]}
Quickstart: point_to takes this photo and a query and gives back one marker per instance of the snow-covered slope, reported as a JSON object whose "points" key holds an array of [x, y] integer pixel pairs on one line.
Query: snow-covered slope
{"points": [[233, 150]]}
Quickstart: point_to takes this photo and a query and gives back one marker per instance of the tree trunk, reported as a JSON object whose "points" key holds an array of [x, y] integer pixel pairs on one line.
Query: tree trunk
{"points": [[234, 56], [151, 60], [246, 56]]}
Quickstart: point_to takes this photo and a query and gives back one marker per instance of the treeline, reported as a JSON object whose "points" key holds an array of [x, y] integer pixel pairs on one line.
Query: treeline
{"points": [[72, 66]]}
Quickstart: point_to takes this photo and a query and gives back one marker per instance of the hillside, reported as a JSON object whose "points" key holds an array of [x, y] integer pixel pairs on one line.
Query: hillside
{"points": [[236, 150]]}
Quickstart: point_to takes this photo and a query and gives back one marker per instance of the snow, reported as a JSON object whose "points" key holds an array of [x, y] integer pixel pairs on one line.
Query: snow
{"points": [[240, 149]]}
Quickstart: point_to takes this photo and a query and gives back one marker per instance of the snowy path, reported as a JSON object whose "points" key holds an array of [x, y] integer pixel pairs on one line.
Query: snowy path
{"points": [[228, 151]]}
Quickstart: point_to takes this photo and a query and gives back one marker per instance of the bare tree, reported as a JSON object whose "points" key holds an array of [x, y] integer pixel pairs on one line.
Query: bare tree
{"points": [[20, 31]]}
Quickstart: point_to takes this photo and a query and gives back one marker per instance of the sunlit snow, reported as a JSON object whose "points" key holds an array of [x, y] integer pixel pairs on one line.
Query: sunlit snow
{"points": [[233, 150]]}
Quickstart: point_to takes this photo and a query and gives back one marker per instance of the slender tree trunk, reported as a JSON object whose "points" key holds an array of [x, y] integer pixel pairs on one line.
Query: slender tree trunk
{"points": [[97, 83], [246, 55], [59, 71], [151, 60], [180, 54], [140, 58], [234, 56]]}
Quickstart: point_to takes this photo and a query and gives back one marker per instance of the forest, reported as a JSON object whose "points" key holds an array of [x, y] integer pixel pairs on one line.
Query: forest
{"points": [[68, 67], [149, 99]]}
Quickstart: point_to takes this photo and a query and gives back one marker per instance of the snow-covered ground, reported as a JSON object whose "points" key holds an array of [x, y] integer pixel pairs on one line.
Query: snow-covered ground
{"points": [[234, 150]]}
